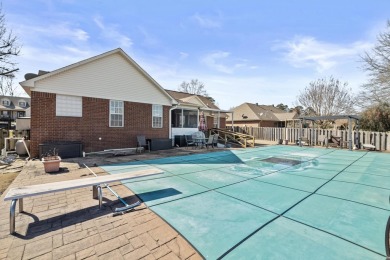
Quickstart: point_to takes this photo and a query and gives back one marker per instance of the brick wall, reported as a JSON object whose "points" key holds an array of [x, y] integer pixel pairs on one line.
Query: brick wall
{"points": [[210, 122], [222, 122], [47, 127]]}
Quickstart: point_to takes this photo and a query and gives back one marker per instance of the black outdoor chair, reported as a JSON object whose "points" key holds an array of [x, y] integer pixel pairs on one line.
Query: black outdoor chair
{"points": [[189, 141], [141, 142]]}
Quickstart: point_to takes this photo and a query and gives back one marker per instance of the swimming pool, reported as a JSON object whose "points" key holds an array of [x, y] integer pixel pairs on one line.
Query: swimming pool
{"points": [[272, 202]]}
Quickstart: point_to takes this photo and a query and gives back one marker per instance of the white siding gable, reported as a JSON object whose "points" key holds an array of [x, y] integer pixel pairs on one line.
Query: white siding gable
{"points": [[194, 100], [109, 77]]}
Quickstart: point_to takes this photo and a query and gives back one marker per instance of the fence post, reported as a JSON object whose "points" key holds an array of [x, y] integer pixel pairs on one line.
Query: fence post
{"points": [[381, 140]]}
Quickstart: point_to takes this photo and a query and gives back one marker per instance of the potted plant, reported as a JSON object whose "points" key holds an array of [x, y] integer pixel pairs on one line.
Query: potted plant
{"points": [[51, 161]]}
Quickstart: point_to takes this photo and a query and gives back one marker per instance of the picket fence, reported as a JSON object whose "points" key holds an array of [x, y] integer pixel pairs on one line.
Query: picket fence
{"points": [[316, 136]]}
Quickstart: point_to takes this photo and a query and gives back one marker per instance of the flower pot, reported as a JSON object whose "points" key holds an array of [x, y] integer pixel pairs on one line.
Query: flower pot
{"points": [[51, 163]]}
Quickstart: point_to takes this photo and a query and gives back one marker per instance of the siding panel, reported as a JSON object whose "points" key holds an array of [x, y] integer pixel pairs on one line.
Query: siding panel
{"points": [[110, 77]]}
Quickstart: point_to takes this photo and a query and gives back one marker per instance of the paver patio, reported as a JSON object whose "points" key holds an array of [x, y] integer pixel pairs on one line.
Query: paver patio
{"points": [[69, 225]]}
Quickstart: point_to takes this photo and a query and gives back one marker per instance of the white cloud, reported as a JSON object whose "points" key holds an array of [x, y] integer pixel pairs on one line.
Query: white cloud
{"points": [[183, 55], [65, 30], [214, 61], [111, 32], [149, 39], [55, 58], [307, 51], [62, 30], [222, 62], [207, 22]]}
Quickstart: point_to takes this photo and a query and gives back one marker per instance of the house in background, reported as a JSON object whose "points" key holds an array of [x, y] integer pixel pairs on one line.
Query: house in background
{"points": [[255, 115], [104, 102], [13, 107], [185, 115]]}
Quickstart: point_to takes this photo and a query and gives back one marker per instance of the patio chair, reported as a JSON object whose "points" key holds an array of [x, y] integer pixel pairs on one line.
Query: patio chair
{"points": [[189, 141], [305, 141], [141, 142], [199, 138], [370, 147], [210, 141]]}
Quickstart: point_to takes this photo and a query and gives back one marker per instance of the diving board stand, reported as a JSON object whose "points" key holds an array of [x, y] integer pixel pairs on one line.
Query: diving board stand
{"points": [[17, 194]]}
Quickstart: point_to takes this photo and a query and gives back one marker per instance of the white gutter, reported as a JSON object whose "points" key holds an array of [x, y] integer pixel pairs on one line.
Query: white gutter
{"points": [[216, 110], [170, 120]]}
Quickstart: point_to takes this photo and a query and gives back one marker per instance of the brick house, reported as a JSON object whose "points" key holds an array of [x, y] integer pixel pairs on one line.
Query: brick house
{"points": [[185, 115], [255, 115], [104, 102]]}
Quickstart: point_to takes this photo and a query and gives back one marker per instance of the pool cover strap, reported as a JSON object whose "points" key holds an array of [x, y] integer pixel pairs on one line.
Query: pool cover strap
{"points": [[387, 237]]}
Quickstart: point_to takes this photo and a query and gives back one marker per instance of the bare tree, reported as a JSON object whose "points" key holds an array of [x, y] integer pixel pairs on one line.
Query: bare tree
{"points": [[327, 97], [193, 87], [377, 64], [9, 49], [7, 88]]}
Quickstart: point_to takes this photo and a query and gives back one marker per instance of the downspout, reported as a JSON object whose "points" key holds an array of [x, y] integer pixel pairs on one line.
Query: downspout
{"points": [[198, 118], [170, 120], [219, 118]]}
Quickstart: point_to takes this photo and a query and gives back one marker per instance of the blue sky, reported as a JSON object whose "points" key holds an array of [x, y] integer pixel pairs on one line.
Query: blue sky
{"points": [[262, 52]]}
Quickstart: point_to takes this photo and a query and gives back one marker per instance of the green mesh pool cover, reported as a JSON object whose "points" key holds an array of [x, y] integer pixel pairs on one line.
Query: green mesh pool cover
{"points": [[276, 202]]}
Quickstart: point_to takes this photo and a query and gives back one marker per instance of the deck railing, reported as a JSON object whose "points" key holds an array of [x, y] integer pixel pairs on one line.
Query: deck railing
{"points": [[227, 136]]}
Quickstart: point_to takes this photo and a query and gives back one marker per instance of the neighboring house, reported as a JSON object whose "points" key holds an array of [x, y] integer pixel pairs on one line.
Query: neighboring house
{"points": [[104, 102], [255, 115], [12, 108], [185, 115]]}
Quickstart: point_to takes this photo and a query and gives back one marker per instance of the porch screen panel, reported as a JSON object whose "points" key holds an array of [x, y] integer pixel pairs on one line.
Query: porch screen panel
{"points": [[176, 117], [190, 118]]}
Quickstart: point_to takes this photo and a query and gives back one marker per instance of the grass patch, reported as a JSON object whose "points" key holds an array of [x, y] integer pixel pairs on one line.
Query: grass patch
{"points": [[6, 180]]}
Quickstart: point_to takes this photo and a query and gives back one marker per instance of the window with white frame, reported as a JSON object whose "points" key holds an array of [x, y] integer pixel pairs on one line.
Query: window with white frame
{"points": [[215, 121], [157, 116], [116, 113], [5, 102], [69, 106], [22, 103]]}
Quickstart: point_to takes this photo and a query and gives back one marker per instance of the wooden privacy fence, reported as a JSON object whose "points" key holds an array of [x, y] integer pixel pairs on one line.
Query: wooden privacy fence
{"points": [[316, 136]]}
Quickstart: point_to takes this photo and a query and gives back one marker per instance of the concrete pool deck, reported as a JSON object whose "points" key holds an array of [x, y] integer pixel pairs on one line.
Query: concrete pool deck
{"points": [[275, 202], [68, 225]]}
